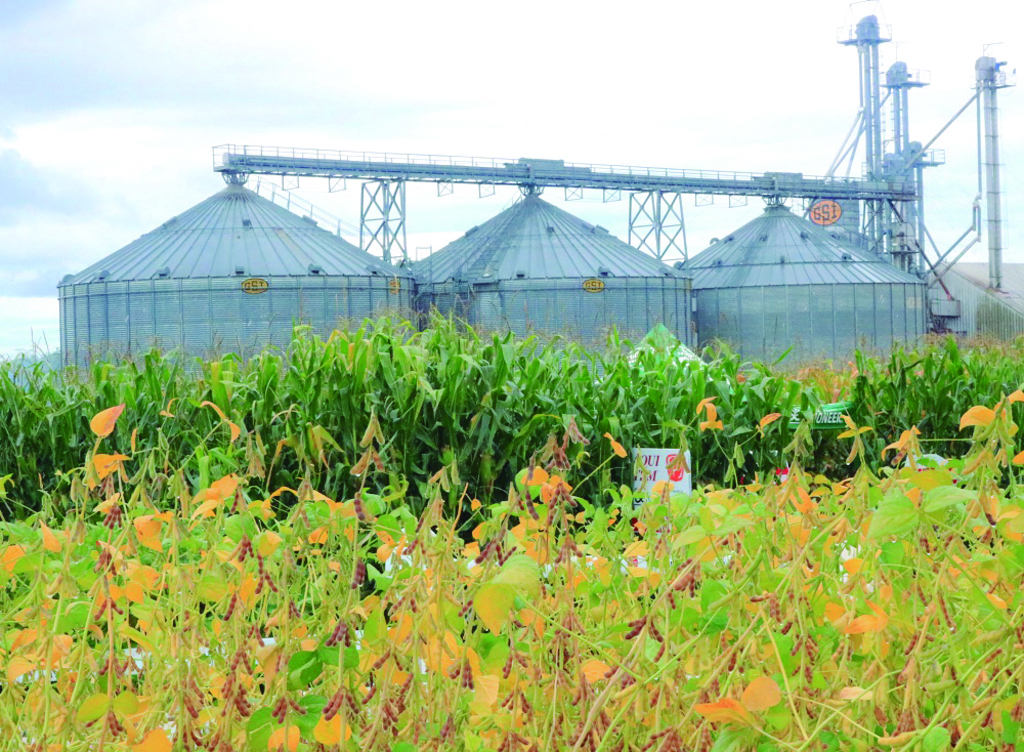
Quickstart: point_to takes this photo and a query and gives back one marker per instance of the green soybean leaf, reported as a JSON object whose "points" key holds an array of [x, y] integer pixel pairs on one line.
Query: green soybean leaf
{"points": [[93, 708], [936, 740], [896, 515]]}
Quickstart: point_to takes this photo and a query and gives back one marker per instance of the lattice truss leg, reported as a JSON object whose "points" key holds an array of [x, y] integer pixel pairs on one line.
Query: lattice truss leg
{"points": [[382, 219], [656, 224]]}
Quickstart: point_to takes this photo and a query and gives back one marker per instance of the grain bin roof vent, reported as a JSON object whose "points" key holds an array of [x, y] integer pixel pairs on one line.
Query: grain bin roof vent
{"points": [[163, 272], [247, 223], [239, 271], [309, 219], [315, 269], [103, 275], [604, 271]]}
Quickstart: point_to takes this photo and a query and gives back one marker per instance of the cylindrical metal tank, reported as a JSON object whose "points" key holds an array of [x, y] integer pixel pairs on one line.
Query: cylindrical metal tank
{"points": [[780, 282], [232, 274], [535, 268]]}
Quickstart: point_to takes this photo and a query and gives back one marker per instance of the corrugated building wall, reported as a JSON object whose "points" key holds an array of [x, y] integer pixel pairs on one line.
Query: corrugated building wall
{"points": [[981, 310]]}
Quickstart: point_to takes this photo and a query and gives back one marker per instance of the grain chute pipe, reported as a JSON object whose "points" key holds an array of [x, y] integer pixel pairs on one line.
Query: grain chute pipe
{"points": [[935, 138]]}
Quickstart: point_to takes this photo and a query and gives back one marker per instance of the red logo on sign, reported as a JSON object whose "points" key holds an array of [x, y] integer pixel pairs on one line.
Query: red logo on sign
{"points": [[677, 474]]}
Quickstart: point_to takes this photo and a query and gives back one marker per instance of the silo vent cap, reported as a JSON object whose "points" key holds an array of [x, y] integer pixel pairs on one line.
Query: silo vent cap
{"points": [[103, 275], [730, 238], [847, 257], [164, 272], [764, 238], [471, 230], [551, 229], [782, 259], [598, 228], [604, 271], [804, 235], [247, 223], [520, 274], [315, 269], [309, 219], [239, 270]]}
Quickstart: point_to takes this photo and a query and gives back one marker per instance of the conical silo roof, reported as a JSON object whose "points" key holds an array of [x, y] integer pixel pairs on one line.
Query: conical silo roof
{"points": [[780, 248], [235, 232], [534, 240]]}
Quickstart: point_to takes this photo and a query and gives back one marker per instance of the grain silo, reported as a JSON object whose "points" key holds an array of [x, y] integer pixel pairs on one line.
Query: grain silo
{"points": [[780, 282], [535, 268], [231, 274]]}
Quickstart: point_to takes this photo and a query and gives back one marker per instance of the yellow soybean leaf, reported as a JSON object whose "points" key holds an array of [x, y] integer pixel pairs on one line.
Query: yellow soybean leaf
{"points": [[761, 694], [493, 603], [977, 416], [854, 693], [996, 601], [106, 464], [10, 557], [278, 741], [102, 424], [619, 450], [269, 543], [726, 711], [486, 689], [133, 591], [25, 637], [50, 542], [594, 670], [155, 741], [329, 732], [18, 667], [853, 566], [875, 623]]}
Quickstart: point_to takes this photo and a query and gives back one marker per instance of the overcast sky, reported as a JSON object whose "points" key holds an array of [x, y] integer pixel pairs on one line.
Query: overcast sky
{"points": [[109, 108]]}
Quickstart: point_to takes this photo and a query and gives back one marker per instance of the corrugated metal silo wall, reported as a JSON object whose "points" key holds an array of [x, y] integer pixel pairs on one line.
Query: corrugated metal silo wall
{"points": [[981, 312], [210, 316], [632, 305], [817, 321]]}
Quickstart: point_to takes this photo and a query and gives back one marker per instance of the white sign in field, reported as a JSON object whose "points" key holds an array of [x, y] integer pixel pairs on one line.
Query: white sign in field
{"points": [[655, 464]]}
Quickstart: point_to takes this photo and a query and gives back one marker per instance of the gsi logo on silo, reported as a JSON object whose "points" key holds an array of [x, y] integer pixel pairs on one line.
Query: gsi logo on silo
{"points": [[255, 285]]}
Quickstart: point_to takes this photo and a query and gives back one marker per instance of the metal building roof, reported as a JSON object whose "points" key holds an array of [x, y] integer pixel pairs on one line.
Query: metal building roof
{"points": [[780, 248], [233, 233], [534, 240]]}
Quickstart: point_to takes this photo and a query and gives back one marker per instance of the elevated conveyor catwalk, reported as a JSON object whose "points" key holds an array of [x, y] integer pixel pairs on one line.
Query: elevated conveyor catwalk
{"points": [[544, 173], [656, 223]]}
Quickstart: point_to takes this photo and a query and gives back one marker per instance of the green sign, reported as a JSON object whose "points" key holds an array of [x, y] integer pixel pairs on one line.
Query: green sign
{"points": [[826, 417]]}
